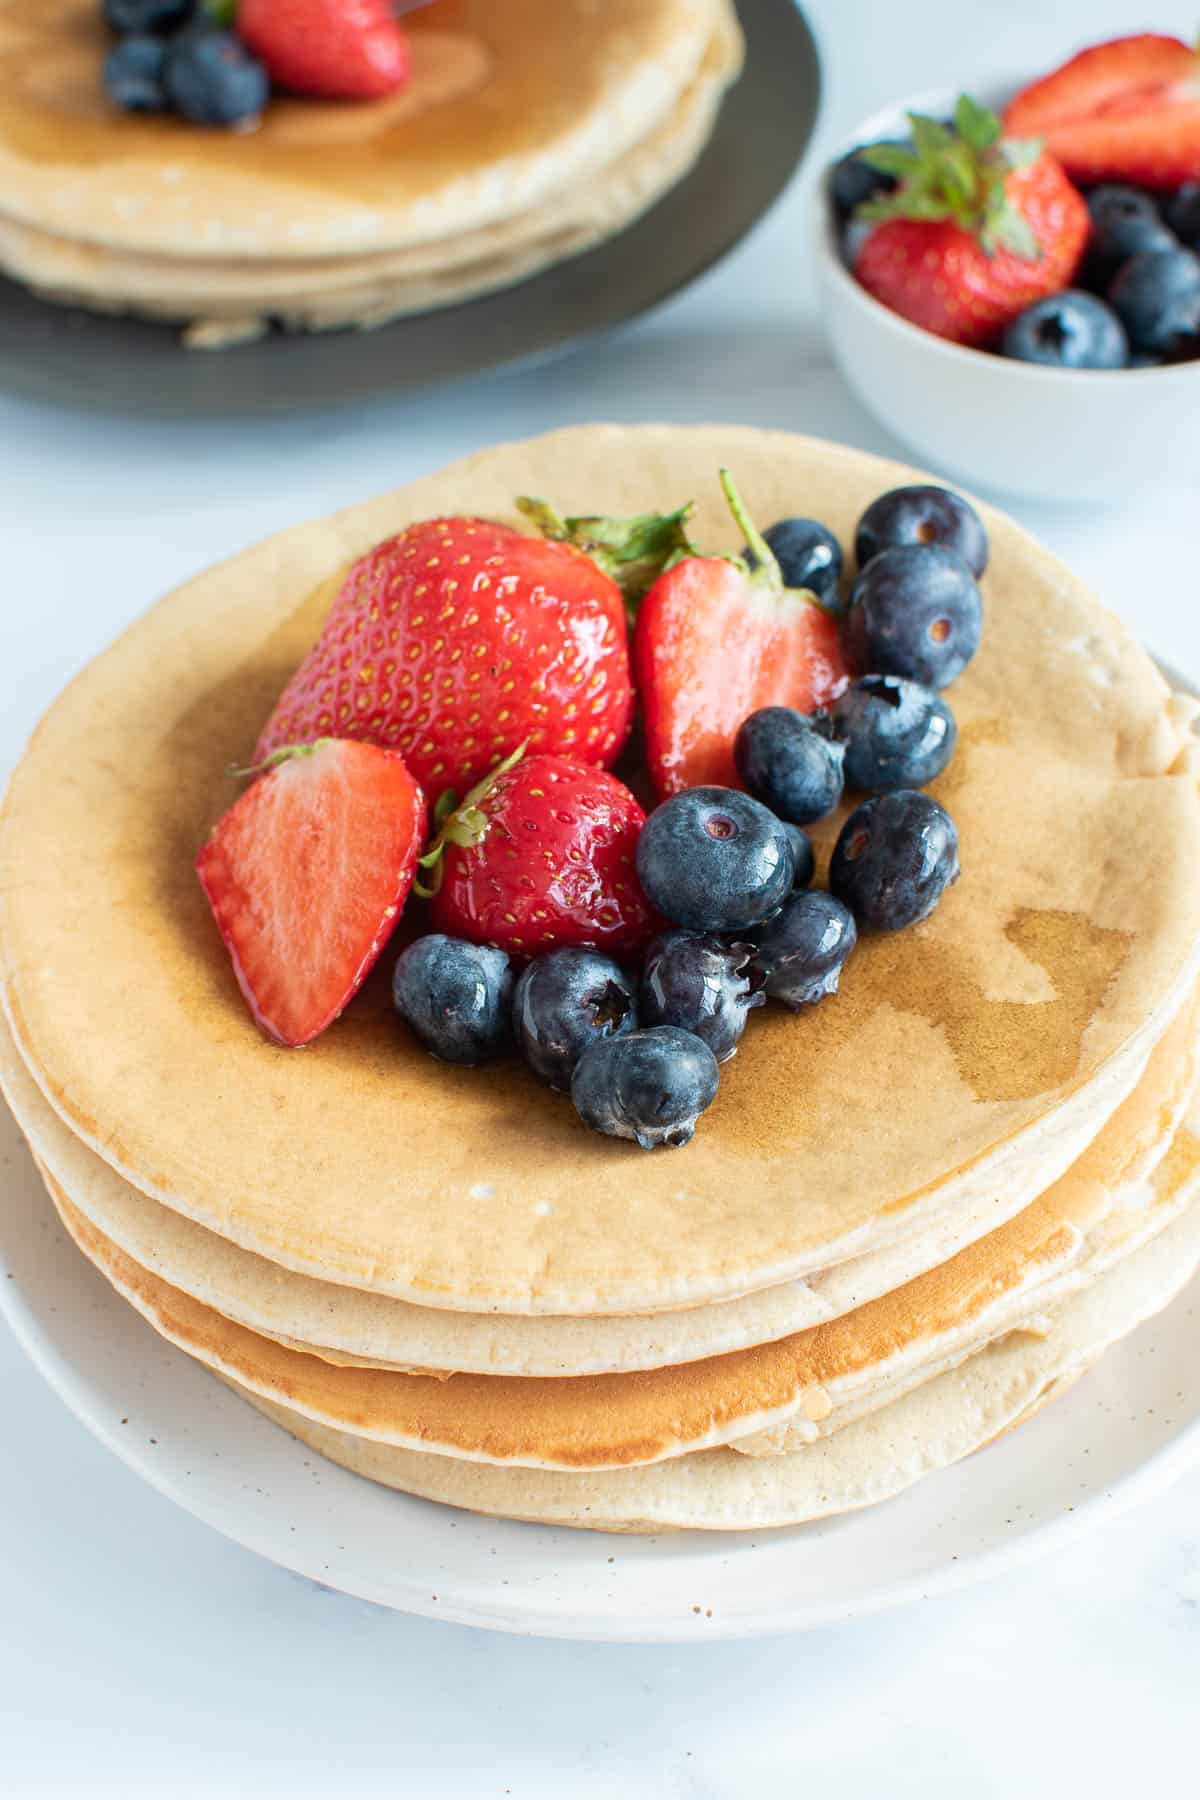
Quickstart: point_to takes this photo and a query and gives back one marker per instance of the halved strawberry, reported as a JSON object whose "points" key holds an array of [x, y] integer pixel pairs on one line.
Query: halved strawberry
{"points": [[977, 228], [715, 640], [541, 854], [333, 49], [1127, 110], [307, 874]]}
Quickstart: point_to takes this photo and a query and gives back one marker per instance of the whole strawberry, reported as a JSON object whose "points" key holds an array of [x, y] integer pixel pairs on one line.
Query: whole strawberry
{"points": [[539, 855], [460, 640], [977, 228], [332, 49], [718, 638]]}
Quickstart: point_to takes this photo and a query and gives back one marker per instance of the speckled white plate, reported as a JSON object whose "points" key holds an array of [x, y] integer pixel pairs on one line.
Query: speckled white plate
{"points": [[1126, 1430]]}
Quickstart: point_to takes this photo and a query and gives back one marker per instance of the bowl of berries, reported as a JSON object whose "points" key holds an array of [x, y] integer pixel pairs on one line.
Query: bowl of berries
{"points": [[1012, 282]]}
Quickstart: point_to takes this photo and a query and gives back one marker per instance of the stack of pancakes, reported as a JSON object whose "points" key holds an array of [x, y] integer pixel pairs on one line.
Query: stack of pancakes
{"points": [[914, 1212], [527, 133]]}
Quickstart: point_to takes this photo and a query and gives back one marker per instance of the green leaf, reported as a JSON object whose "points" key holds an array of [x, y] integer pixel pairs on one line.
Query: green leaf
{"points": [[634, 551], [960, 177], [977, 126], [929, 135], [221, 12], [890, 159]]}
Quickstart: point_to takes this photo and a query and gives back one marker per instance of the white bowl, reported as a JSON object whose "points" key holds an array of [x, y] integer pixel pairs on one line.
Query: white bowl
{"points": [[1054, 434]]}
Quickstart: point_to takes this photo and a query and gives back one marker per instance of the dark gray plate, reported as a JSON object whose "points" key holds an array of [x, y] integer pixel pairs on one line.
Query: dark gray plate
{"points": [[80, 359]]}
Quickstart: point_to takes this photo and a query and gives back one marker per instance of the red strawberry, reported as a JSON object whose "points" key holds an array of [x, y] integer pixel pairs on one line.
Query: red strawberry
{"points": [[1128, 110], [307, 874], [542, 854], [334, 49], [459, 640], [977, 229], [716, 640]]}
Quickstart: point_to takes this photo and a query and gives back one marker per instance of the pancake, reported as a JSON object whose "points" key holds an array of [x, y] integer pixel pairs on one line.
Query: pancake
{"points": [[342, 1325], [873, 1460], [1005, 1281], [1137, 1215], [1025, 1006], [506, 106], [224, 297]]}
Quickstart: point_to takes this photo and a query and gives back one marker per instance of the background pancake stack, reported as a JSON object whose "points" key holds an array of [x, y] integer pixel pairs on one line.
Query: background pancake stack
{"points": [[913, 1214], [527, 133]]}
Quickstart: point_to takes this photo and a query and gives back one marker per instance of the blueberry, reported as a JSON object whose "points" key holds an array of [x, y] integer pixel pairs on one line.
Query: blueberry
{"points": [[802, 855], [894, 859], [790, 762], [563, 1002], [212, 79], [651, 1086], [133, 72], [896, 733], [809, 556], [702, 985], [712, 859], [922, 515], [800, 952], [161, 17], [1156, 296], [852, 180], [1125, 221], [1183, 214], [456, 996], [915, 611], [1071, 330]]}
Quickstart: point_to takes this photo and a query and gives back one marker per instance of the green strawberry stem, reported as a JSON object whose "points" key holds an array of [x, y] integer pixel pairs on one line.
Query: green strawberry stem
{"points": [[287, 753], [221, 12], [465, 825], [957, 173], [634, 551], [765, 570], [761, 567]]}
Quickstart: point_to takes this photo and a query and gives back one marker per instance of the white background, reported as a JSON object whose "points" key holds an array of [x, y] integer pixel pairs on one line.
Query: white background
{"points": [[142, 1654]]}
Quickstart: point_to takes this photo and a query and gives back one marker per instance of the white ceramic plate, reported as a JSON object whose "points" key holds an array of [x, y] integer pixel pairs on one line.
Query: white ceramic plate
{"points": [[1126, 1430]]}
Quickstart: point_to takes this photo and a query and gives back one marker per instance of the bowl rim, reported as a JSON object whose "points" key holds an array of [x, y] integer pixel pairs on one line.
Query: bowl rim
{"points": [[869, 130]]}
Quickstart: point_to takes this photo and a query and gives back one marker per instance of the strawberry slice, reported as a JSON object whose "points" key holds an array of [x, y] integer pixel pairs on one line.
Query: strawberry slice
{"points": [[540, 854], [1127, 110], [307, 875], [715, 640], [332, 49]]}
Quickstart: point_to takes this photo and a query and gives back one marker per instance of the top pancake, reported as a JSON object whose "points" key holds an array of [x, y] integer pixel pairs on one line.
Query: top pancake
{"points": [[958, 1051], [505, 106]]}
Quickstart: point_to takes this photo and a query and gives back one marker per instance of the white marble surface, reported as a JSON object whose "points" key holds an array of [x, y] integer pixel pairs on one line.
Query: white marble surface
{"points": [[139, 1652]]}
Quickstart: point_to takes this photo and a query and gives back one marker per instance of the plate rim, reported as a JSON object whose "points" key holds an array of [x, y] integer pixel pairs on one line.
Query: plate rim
{"points": [[1157, 1472]]}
